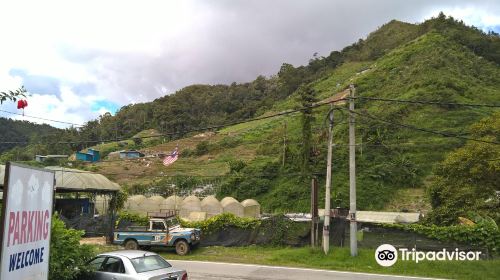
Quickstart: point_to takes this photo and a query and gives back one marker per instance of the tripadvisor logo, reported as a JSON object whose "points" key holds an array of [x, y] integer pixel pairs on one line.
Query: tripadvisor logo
{"points": [[387, 255]]}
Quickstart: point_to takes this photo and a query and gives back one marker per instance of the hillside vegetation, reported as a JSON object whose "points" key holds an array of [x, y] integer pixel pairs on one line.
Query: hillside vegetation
{"points": [[439, 60], [21, 131]]}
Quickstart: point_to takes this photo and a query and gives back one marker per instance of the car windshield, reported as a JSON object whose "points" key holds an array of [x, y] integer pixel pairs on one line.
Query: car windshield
{"points": [[172, 222], [148, 263]]}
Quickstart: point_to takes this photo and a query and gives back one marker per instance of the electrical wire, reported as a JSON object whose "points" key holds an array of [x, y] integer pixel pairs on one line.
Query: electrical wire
{"points": [[40, 118], [444, 134], [208, 128], [426, 102]]}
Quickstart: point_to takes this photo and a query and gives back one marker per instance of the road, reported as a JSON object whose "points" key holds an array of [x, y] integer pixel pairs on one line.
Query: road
{"points": [[229, 271]]}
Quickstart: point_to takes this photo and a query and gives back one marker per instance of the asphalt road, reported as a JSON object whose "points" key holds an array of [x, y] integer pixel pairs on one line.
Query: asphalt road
{"points": [[228, 271]]}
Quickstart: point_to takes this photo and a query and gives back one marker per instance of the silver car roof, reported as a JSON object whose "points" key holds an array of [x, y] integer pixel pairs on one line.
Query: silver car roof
{"points": [[131, 254]]}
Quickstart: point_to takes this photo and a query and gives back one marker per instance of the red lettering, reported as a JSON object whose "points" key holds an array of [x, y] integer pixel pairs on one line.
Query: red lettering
{"points": [[31, 219], [12, 221], [16, 230], [28, 226], [39, 225], [24, 220], [46, 222]]}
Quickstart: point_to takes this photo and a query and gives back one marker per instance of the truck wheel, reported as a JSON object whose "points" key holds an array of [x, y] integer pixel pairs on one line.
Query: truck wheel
{"points": [[181, 247], [131, 244]]}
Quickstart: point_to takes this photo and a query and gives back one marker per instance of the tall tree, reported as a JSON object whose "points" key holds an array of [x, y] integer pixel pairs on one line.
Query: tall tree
{"points": [[466, 182], [307, 98]]}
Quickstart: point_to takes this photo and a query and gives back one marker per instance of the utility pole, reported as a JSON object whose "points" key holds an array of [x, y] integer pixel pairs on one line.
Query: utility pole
{"points": [[352, 175], [314, 211], [326, 225]]}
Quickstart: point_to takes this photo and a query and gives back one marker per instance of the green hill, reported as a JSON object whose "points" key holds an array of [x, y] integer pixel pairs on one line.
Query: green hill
{"points": [[439, 60], [21, 131]]}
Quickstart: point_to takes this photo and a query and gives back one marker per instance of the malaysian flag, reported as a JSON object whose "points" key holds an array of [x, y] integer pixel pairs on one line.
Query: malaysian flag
{"points": [[169, 159]]}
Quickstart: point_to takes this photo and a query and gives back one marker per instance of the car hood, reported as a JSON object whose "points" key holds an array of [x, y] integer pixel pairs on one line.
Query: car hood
{"points": [[161, 273]]}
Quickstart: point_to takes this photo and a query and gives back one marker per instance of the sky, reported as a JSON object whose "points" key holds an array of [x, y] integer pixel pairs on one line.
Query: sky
{"points": [[81, 59]]}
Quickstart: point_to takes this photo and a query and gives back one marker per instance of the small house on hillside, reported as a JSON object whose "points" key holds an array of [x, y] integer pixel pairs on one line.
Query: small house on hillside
{"points": [[130, 154], [41, 158], [91, 155]]}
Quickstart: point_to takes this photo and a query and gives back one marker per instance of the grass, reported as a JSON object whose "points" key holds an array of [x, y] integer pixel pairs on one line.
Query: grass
{"points": [[340, 259]]}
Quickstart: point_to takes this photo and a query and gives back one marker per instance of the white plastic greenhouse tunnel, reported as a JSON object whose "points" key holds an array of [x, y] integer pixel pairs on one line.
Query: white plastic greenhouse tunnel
{"points": [[190, 204], [251, 208], [231, 205], [172, 202], [211, 206]]}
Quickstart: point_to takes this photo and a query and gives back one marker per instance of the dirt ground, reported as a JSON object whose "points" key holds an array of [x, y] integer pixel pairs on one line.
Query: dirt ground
{"points": [[101, 240]]}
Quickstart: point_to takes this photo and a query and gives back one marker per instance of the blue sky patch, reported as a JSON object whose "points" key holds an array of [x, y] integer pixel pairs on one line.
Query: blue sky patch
{"points": [[108, 105]]}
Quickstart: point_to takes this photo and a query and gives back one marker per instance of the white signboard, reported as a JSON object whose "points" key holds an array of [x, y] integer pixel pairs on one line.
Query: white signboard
{"points": [[26, 220]]}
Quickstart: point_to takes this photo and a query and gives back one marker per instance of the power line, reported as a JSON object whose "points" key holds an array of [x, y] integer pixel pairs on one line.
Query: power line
{"points": [[366, 115], [429, 102], [213, 127], [40, 118]]}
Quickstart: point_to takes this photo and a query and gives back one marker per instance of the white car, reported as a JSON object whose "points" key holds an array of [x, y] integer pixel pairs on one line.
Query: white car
{"points": [[134, 265]]}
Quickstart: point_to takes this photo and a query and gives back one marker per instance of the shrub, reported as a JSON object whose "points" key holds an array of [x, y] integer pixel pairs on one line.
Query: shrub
{"points": [[222, 221], [484, 234], [202, 148], [132, 218], [68, 259]]}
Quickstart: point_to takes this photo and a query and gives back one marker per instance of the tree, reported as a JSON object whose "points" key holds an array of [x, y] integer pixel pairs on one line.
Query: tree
{"points": [[307, 99], [466, 182], [12, 95]]}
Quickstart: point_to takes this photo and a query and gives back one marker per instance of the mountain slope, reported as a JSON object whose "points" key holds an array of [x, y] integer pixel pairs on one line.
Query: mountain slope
{"points": [[21, 131], [426, 62]]}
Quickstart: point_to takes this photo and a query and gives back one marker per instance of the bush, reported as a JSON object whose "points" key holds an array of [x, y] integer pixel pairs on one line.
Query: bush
{"points": [[132, 218], [222, 221], [187, 152], [68, 259], [202, 148], [484, 234]]}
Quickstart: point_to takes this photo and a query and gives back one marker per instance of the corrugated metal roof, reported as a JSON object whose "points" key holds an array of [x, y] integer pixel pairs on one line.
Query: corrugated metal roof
{"points": [[377, 217], [387, 217], [76, 180]]}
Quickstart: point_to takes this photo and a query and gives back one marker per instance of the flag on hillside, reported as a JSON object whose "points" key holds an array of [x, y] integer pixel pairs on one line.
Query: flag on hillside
{"points": [[169, 159]]}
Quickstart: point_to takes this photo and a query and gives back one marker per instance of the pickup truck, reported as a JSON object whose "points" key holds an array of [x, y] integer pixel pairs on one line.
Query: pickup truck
{"points": [[163, 231]]}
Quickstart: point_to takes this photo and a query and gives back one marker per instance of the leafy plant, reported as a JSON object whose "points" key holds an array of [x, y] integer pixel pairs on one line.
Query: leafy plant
{"points": [[467, 179], [139, 220], [68, 259], [12, 95], [221, 222], [483, 235]]}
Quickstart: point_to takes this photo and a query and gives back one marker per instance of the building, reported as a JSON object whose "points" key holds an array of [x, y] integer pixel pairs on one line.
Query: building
{"points": [[91, 155], [130, 154], [41, 158]]}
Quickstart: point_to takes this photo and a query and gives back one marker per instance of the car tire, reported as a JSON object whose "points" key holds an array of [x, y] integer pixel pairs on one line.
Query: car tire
{"points": [[181, 247], [131, 244]]}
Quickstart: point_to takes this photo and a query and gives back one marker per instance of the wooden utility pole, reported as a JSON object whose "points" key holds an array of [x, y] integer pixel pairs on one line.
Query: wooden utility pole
{"points": [[314, 211], [352, 176], [326, 225]]}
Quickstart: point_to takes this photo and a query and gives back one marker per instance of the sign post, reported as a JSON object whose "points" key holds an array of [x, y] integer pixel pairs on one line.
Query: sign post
{"points": [[26, 222]]}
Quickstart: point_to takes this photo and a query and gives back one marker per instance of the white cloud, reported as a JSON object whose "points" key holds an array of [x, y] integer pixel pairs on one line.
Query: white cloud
{"points": [[135, 51]]}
